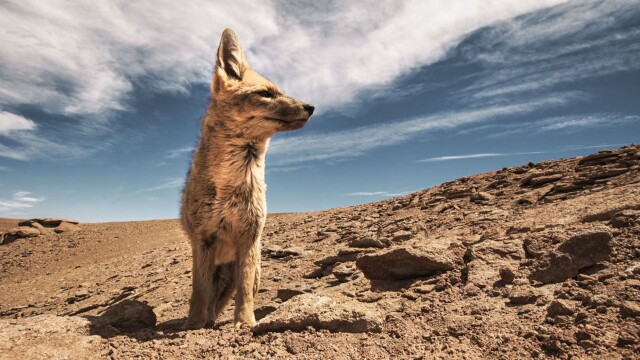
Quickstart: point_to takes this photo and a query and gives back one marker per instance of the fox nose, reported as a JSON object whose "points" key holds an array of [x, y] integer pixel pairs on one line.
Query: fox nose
{"points": [[309, 108]]}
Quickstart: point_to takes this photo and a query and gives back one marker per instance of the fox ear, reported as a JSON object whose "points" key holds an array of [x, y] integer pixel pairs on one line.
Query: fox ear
{"points": [[231, 58]]}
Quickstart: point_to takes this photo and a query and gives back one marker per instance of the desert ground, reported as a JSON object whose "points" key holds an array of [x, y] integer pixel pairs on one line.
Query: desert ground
{"points": [[536, 261]]}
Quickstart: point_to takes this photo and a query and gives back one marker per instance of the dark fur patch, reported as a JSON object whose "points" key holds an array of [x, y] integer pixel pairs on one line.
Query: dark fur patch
{"points": [[208, 243]]}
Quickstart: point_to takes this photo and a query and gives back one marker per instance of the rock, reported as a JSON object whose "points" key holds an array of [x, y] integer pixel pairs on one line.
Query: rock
{"points": [[553, 268], [405, 263], [65, 226], [559, 308], [286, 294], [481, 196], [278, 253], [588, 248], [578, 252], [402, 235], [125, 316], [507, 276], [24, 232], [629, 309], [320, 312], [343, 271], [19, 232], [366, 242], [523, 296], [43, 230], [49, 337], [625, 219]]}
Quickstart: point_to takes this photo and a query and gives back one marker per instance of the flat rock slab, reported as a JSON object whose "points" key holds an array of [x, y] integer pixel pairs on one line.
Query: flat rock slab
{"points": [[320, 312], [49, 337], [406, 263]]}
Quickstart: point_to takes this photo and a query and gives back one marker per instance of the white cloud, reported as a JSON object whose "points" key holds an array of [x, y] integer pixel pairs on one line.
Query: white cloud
{"points": [[19, 201], [349, 143], [168, 184], [86, 58], [174, 153], [11, 122]]}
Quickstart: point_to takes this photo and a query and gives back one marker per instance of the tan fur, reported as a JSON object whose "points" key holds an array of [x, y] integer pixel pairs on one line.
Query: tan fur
{"points": [[223, 202]]}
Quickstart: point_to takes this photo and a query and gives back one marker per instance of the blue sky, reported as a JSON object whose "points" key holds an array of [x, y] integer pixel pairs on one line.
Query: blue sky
{"points": [[100, 103]]}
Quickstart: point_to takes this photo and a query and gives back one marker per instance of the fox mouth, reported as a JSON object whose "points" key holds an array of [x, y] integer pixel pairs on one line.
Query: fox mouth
{"points": [[289, 124]]}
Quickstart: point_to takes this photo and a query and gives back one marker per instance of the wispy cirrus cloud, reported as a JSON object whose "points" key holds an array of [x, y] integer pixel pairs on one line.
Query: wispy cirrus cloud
{"points": [[354, 142], [560, 45], [171, 183], [20, 200], [476, 156], [376, 193], [175, 153], [568, 123]]}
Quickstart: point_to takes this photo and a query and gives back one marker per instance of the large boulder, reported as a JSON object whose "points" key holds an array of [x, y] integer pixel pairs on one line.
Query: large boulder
{"points": [[407, 262], [18, 233], [320, 312]]}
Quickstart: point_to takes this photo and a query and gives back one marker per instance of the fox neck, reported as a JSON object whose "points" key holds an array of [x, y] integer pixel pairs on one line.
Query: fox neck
{"points": [[233, 161]]}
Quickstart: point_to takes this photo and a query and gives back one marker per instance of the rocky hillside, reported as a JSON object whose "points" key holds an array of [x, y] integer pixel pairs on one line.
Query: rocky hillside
{"points": [[541, 260]]}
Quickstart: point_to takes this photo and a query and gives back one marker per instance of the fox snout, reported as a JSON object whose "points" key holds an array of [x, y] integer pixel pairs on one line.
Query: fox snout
{"points": [[309, 108]]}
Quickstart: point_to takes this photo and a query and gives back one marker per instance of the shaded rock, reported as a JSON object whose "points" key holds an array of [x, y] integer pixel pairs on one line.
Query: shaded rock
{"points": [[406, 263], [588, 248], [554, 268], [506, 276], [19, 232], [625, 219], [49, 337], [286, 294], [320, 312], [559, 308], [344, 270], [578, 252], [402, 235], [125, 316]]}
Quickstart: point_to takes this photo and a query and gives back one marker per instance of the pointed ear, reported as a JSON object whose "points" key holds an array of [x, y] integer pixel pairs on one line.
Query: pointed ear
{"points": [[231, 59]]}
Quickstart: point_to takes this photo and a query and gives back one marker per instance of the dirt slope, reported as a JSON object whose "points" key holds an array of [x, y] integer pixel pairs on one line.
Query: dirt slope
{"points": [[535, 261]]}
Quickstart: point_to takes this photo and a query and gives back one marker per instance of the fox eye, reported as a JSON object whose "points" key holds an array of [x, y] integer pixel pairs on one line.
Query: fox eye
{"points": [[265, 93]]}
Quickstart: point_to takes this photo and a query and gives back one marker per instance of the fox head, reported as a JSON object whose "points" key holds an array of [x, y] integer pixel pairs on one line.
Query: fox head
{"points": [[246, 103]]}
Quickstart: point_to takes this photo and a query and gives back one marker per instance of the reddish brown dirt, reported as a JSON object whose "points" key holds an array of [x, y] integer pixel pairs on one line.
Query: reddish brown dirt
{"points": [[497, 228]]}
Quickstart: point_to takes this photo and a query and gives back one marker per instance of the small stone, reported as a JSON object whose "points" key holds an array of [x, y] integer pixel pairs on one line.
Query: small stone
{"points": [[286, 294], [559, 308], [507, 276], [402, 235], [524, 296]]}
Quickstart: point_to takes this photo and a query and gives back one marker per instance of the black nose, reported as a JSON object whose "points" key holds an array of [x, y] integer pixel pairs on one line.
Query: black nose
{"points": [[309, 108]]}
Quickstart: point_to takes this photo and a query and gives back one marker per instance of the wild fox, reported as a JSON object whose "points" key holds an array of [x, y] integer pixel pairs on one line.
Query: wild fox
{"points": [[223, 201]]}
